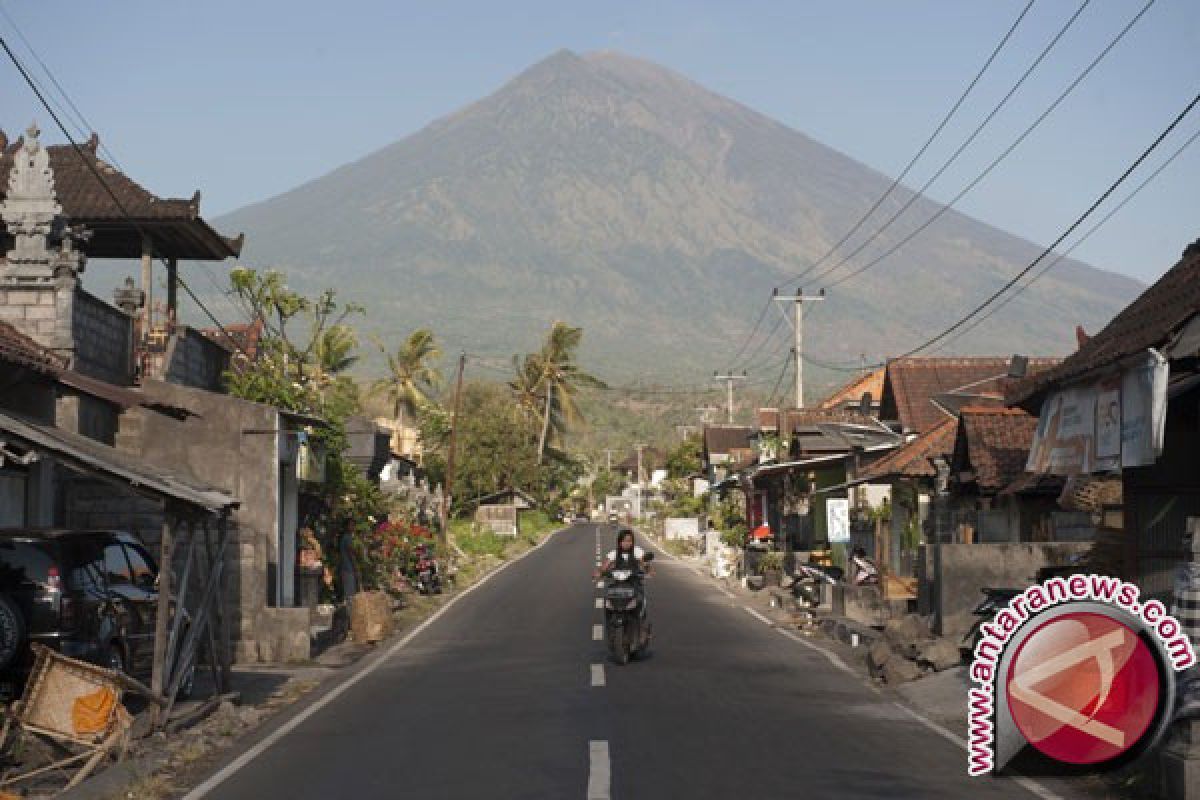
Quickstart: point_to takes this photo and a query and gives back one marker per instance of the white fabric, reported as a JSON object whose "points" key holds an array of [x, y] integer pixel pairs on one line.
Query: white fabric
{"points": [[638, 553]]}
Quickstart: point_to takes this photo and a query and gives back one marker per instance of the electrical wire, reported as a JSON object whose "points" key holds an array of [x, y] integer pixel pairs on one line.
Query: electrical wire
{"points": [[929, 141], [999, 159], [1079, 221], [104, 184], [1066, 253]]}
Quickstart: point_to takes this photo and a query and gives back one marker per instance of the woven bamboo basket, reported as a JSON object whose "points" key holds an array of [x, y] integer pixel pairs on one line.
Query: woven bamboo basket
{"points": [[55, 684]]}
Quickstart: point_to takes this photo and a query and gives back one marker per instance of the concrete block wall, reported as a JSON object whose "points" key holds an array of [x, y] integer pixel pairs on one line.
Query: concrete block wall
{"points": [[31, 310], [960, 571], [103, 336], [193, 359]]}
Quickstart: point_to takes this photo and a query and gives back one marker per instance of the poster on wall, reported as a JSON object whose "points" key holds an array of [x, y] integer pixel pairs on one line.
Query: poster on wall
{"points": [[1113, 423], [837, 519]]}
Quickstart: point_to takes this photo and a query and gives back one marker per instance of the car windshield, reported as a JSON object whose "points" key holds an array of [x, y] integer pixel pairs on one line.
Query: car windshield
{"points": [[25, 563]]}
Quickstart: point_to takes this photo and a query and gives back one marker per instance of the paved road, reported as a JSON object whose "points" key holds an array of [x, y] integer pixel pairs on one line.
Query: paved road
{"points": [[496, 700]]}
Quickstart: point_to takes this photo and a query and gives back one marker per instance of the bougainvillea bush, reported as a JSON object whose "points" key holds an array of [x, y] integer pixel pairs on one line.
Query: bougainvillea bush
{"points": [[388, 553]]}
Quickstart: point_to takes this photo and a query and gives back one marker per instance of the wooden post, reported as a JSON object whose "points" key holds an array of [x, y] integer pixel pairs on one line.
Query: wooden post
{"points": [[172, 289], [201, 620], [158, 676], [147, 284], [223, 622], [172, 663], [444, 534]]}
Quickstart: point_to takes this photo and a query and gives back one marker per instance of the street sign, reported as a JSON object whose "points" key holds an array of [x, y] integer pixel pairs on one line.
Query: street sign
{"points": [[837, 518]]}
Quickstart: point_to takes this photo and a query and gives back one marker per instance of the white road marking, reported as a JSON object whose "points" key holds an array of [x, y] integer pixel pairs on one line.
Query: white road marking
{"points": [[599, 602], [757, 615], [597, 633], [599, 771], [597, 674], [283, 730], [1028, 784], [833, 658], [599, 584]]}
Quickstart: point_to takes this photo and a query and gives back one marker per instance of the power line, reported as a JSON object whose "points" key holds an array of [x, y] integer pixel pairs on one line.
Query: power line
{"points": [[1066, 253], [920, 193], [774, 397], [936, 131], [757, 324], [104, 184], [1079, 221], [1000, 158]]}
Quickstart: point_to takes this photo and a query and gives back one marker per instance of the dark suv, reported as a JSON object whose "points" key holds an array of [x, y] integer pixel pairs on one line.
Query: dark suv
{"points": [[91, 595]]}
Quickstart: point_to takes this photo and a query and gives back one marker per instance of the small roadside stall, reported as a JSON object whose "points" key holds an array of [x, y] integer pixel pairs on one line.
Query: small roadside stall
{"points": [[501, 511]]}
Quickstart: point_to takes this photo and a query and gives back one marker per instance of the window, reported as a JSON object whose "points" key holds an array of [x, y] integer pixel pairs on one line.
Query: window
{"points": [[116, 566], [143, 573], [24, 564]]}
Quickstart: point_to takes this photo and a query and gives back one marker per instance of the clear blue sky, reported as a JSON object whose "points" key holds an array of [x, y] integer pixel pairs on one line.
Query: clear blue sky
{"points": [[247, 99]]}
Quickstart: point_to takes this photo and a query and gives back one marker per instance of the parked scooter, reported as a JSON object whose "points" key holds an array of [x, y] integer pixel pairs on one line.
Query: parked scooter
{"points": [[994, 601], [429, 577], [806, 587], [625, 619]]}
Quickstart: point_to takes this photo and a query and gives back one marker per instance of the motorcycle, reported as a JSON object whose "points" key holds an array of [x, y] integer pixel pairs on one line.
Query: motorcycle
{"points": [[429, 577], [625, 613], [808, 579], [994, 600]]}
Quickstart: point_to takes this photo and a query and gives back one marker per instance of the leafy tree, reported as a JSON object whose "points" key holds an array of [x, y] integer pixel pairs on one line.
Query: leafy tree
{"points": [[606, 483], [687, 458]]}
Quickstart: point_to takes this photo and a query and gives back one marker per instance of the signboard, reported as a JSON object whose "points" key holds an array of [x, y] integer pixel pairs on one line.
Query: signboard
{"points": [[837, 519], [1113, 423]]}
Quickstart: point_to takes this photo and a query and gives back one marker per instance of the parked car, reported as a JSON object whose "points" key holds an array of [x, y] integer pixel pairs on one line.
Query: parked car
{"points": [[91, 595]]}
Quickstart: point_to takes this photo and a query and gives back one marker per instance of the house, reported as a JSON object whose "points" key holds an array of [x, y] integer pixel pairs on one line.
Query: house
{"points": [[653, 465], [918, 393], [133, 379], [726, 449], [501, 511], [861, 394], [1127, 404]]}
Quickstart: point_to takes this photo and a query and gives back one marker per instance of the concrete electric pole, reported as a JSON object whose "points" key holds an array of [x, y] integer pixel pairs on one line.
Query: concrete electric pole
{"points": [[798, 327], [639, 447], [729, 379]]}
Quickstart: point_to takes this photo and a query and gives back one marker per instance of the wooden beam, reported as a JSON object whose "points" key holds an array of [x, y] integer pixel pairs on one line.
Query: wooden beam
{"points": [[158, 678], [147, 283], [223, 621], [185, 580], [172, 288]]}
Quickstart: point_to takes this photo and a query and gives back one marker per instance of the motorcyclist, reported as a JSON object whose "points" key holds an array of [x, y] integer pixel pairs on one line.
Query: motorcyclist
{"points": [[627, 555]]}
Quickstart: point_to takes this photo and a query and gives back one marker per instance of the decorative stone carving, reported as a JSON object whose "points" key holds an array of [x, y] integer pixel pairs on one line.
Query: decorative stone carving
{"points": [[43, 252]]}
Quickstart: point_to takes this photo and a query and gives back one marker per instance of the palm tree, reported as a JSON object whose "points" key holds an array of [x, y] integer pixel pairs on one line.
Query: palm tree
{"points": [[526, 386], [561, 377], [334, 351], [411, 376]]}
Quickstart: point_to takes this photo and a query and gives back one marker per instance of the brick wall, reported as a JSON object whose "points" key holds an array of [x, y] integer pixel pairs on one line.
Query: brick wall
{"points": [[103, 337], [31, 311]]}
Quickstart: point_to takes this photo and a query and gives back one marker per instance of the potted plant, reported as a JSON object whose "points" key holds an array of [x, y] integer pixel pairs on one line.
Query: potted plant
{"points": [[770, 566]]}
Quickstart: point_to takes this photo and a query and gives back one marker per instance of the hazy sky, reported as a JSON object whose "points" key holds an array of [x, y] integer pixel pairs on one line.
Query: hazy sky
{"points": [[247, 99]]}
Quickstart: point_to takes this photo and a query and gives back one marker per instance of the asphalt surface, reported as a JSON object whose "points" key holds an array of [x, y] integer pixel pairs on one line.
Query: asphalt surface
{"points": [[496, 699]]}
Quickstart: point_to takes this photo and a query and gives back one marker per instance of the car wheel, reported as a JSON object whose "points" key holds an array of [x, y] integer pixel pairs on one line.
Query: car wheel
{"points": [[12, 630]]}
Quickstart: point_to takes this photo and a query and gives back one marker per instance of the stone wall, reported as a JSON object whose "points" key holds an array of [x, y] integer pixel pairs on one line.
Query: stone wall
{"points": [[32, 311], [103, 337]]}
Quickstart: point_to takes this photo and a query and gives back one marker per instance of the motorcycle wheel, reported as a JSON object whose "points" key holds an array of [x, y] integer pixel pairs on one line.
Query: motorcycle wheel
{"points": [[618, 643]]}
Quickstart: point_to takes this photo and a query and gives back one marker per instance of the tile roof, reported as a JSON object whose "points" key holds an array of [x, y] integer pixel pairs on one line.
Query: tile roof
{"points": [[911, 385], [796, 418], [19, 349], [993, 443], [1148, 321], [724, 439], [914, 459], [241, 338], [180, 231], [868, 383]]}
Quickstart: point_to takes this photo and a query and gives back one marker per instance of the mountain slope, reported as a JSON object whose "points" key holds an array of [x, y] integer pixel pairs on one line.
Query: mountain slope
{"points": [[615, 194]]}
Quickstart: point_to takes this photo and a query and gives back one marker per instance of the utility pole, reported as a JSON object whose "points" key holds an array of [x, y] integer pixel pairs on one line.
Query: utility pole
{"points": [[639, 447], [798, 327], [445, 532], [729, 379], [608, 451]]}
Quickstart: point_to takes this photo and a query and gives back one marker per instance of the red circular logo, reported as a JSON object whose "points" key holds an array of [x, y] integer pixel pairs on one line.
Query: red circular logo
{"points": [[1083, 688]]}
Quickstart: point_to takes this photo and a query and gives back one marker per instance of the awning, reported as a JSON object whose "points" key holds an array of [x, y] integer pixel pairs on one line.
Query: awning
{"points": [[88, 455], [787, 466]]}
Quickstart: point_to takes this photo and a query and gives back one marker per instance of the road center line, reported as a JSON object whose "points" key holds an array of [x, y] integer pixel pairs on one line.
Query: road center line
{"points": [[597, 633], [599, 584], [599, 602], [599, 771], [597, 674]]}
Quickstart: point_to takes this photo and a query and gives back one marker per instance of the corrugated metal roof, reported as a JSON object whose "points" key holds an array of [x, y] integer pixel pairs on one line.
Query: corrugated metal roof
{"points": [[96, 457]]}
